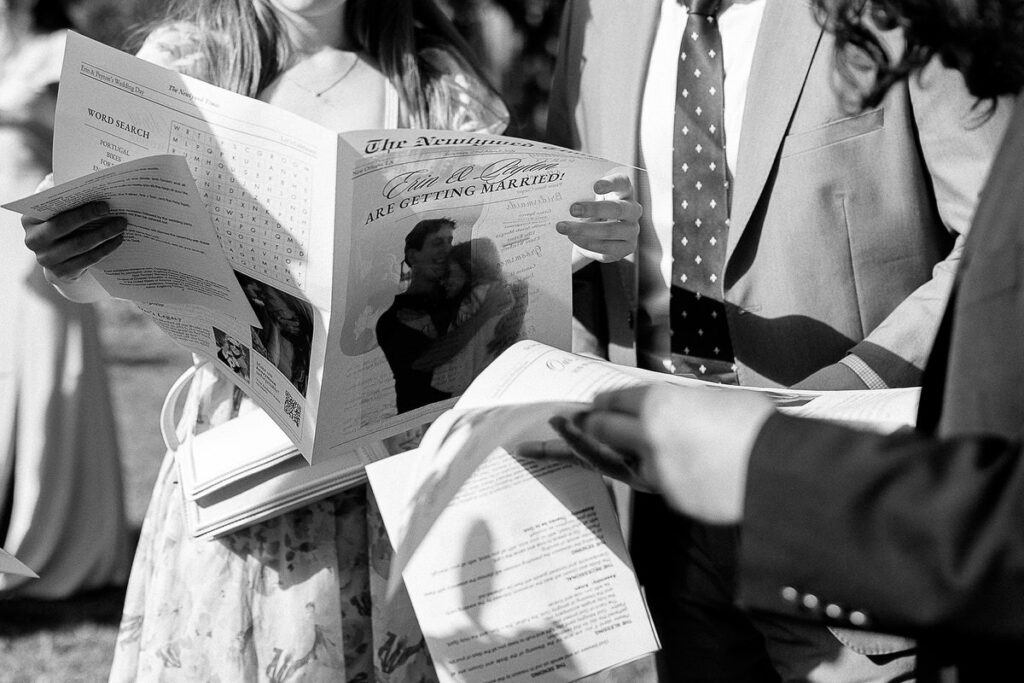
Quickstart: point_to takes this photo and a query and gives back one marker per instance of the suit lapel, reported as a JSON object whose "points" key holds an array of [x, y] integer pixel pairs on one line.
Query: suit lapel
{"points": [[786, 43]]}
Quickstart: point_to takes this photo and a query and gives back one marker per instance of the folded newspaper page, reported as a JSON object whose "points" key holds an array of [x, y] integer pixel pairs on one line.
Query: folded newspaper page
{"points": [[514, 399], [384, 268]]}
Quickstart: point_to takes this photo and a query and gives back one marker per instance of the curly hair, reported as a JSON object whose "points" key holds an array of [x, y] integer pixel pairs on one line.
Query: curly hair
{"points": [[983, 39]]}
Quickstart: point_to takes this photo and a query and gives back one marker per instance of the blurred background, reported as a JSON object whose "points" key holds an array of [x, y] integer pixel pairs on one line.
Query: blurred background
{"points": [[516, 40], [72, 638]]}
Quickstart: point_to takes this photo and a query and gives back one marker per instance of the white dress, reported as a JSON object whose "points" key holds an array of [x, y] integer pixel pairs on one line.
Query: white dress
{"points": [[295, 598], [61, 501]]}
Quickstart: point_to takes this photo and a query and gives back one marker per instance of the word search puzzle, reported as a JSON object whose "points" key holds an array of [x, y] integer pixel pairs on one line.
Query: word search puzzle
{"points": [[258, 199]]}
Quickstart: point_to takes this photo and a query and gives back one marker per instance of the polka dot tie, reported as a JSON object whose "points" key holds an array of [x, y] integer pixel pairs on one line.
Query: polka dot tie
{"points": [[700, 192]]}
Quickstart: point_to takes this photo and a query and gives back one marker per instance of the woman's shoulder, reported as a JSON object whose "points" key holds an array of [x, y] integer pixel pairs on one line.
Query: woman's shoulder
{"points": [[179, 46], [471, 104]]}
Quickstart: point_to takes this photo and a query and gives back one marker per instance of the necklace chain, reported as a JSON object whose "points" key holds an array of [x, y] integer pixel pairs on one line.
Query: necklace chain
{"points": [[320, 92]]}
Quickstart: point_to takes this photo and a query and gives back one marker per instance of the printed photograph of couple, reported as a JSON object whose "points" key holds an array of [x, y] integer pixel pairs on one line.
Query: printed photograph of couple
{"points": [[455, 311], [286, 338]]}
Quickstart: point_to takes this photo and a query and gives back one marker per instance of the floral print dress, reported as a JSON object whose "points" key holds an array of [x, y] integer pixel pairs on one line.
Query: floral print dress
{"points": [[295, 598]]}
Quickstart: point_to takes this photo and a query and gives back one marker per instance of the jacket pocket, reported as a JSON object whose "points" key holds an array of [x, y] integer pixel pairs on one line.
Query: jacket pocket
{"points": [[832, 133]]}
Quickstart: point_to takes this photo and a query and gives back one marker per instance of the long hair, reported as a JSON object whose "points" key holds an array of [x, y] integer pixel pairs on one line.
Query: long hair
{"points": [[399, 36], [242, 41], [984, 40], [247, 47]]}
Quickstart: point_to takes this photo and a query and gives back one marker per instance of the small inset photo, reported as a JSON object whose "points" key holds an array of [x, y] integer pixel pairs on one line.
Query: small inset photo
{"points": [[232, 353], [286, 338]]}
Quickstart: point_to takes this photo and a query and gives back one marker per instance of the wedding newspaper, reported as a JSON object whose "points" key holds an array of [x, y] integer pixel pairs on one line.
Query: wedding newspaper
{"points": [[284, 262], [517, 568]]}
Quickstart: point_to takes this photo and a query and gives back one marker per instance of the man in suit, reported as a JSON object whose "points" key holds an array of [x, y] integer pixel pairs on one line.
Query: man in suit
{"points": [[840, 243], [919, 532]]}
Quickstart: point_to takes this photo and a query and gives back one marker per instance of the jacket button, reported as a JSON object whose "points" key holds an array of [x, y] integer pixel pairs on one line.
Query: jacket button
{"points": [[858, 618], [790, 594], [811, 601], [833, 611]]}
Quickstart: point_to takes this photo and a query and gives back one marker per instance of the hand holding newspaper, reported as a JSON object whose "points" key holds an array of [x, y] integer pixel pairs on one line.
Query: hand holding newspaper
{"points": [[517, 396], [171, 254], [483, 538]]}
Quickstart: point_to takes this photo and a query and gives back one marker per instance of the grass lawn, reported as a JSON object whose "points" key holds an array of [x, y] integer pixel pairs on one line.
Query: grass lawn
{"points": [[73, 640]]}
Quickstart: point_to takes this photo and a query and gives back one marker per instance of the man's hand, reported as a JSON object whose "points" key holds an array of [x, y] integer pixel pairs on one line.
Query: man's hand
{"points": [[690, 445], [607, 227], [578, 448]]}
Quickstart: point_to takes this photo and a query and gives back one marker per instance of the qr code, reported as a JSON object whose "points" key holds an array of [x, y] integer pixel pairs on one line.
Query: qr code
{"points": [[292, 409]]}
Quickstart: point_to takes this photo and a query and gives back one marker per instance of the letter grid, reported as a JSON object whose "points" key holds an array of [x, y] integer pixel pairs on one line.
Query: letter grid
{"points": [[259, 201]]}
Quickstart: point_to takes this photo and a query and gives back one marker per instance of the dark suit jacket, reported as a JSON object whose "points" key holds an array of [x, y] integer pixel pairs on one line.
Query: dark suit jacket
{"points": [[922, 532], [842, 225]]}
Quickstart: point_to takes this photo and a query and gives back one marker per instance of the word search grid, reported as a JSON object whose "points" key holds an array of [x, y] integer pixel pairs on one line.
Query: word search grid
{"points": [[258, 199]]}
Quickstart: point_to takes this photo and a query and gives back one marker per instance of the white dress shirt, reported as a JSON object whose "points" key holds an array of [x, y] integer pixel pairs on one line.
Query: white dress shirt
{"points": [[739, 22]]}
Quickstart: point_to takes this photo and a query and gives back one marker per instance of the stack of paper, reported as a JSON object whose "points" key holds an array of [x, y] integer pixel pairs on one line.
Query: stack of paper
{"points": [[248, 470]]}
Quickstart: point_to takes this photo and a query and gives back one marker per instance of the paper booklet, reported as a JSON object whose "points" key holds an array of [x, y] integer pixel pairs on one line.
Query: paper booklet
{"points": [[517, 569], [273, 246]]}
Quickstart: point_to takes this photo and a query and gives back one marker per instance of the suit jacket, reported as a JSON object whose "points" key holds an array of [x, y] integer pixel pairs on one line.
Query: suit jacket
{"points": [[843, 225], [924, 529]]}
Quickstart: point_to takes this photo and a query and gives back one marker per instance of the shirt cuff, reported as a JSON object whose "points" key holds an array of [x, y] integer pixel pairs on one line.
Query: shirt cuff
{"points": [[870, 378]]}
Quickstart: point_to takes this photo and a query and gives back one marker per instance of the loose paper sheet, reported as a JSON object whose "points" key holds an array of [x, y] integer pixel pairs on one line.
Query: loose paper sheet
{"points": [[523, 577], [170, 253], [9, 564]]}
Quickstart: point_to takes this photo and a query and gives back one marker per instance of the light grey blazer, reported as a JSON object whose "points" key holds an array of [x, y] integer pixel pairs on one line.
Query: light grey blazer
{"points": [[845, 227]]}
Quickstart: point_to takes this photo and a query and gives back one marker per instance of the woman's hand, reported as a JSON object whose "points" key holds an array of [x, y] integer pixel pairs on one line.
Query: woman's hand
{"points": [[607, 227], [72, 241]]}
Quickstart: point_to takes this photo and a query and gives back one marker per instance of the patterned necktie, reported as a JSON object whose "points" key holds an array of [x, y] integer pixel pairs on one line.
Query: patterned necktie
{"points": [[700, 195]]}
